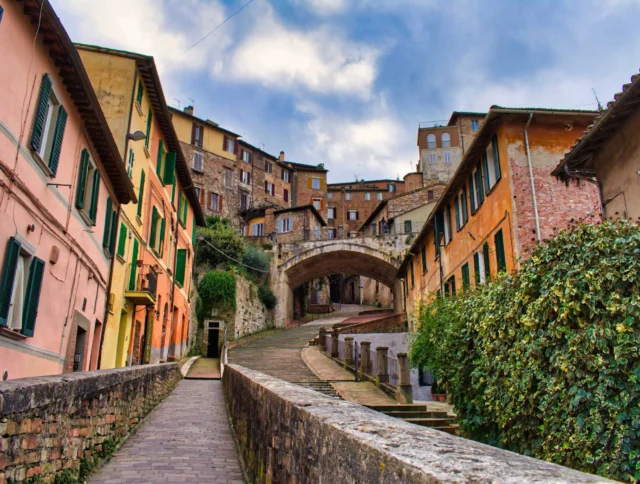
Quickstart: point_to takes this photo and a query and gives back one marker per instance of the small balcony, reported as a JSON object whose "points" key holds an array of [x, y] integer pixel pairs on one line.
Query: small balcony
{"points": [[144, 292]]}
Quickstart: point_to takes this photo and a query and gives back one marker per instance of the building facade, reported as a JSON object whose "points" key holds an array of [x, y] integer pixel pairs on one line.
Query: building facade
{"points": [[149, 303], [63, 182], [608, 152], [500, 203]]}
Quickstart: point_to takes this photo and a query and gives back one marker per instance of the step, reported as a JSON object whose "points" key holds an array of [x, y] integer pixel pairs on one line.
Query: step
{"points": [[418, 414], [450, 429], [430, 422], [398, 408]]}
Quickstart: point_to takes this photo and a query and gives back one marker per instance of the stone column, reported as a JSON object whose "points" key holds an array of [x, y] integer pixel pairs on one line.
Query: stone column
{"points": [[348, 351], [321, 334], [404, 392], [382, 364], [334, 344], [364, 357], [398, 297]]}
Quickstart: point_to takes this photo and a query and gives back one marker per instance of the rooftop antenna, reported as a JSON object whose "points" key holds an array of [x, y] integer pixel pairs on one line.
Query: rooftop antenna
{"points": [[192, 101], [263, 145], [178, 100], [600, 108]]}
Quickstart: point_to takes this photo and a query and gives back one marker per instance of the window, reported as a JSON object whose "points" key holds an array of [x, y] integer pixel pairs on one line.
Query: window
{"points": [[353, 235], [268, 167], [148, 133], [22, 277], [367, 196], [478, 266], [229, 145], [183, 209], [431, 141], [466, 281], [391, 187], [88, 187], [228, 178], [286, 175], [407, 226], [476, 188], [181, 266], [285, 194], [317, 203], [269, 188], [348, 196], [315, 183], [244, 201], [197, 135], [49, 123], [491, 165], [330, 195], [451, 283], [487, 261], [432, 158], [379, 195], [199, 193], [285, 225], [474, 125], [245, 177], [500, 255], [198, 162], [411, 271], [448, 234], [446, 140], [130, 163], [156, 232], [352, 215], [331, 233], [461, 209], [122, 240], [257, 230], [331, 213], [139, 93], [111, 226], [246, 156], [430, 195], [447, 157], [214, 201], [141, 194], [424, 258]]}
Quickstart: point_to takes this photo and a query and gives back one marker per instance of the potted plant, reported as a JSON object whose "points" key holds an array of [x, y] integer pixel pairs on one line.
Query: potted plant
{"points": [[436, 396]]}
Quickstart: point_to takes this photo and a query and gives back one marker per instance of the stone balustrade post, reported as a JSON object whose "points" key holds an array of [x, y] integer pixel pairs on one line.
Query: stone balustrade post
{"points": [[334, 344], [382, 363], [365, 346], [348, 351], [321, 336], [404, 391]]}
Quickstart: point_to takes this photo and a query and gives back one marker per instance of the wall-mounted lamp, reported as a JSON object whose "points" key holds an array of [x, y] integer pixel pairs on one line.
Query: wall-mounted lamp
{"points": [[136, 136]]}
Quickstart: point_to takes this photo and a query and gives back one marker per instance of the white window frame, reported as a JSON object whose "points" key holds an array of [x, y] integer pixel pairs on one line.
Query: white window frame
{"points": [[483, 275], [445, 139], [245, 177], [26, 254], [198, 155], [330, 195], [347, 196], [331, 233], [331, 213], [317, 203], [286, 176], [447, 156], [461, 204], [433, 159], [352, 215], [491, 166], [246, 156], [367, 196], [473, 187], [230, 145], [314, 185], [285, 225], [210, 205], [379, 195], [257, 230], [53, 108], [268, 167], [447, 227]]}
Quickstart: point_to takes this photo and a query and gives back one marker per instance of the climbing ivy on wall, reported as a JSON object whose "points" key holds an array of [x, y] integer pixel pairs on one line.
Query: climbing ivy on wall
{"points": [[546, 361], [217, 289]]}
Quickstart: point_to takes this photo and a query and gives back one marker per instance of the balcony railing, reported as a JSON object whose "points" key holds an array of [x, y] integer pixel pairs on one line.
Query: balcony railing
{"points": [[146, 286]]}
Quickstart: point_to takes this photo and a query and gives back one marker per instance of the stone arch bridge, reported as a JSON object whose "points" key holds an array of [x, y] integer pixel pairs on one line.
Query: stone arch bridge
{"points": [[298, 263]]}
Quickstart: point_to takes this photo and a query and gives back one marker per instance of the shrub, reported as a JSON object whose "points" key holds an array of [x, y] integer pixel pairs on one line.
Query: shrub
{"points": [[266, 296], [546, 362], [222, 245], [217, 289], [267, 246], [256, 263]]}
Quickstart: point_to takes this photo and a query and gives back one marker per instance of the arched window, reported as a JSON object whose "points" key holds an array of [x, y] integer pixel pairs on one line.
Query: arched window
{"points": [[446, 140], [431, 141]]}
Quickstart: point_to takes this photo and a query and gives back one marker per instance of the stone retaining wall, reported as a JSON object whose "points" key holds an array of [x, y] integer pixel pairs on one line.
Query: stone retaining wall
{"points": [[396, 323], [56, 423], [292, 434]]}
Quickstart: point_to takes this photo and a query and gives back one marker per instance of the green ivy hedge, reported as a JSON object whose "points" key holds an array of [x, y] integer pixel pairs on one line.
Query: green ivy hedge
{"points": [[216, 289], [546, 361]]}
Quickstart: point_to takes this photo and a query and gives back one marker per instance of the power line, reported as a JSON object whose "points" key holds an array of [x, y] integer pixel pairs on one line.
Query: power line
{"points": [[202, 239], [211, 32]]}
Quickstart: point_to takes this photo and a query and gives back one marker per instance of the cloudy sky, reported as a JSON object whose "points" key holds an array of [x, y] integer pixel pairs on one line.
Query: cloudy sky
{"points": [[346, 82]]}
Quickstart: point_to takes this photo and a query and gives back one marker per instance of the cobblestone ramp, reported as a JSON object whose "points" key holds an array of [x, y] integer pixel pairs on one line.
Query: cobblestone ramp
{"points": [[186, 439], [279, 355]]}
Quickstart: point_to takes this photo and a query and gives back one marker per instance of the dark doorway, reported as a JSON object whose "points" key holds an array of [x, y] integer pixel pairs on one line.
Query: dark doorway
{"points": [[212, 344]]}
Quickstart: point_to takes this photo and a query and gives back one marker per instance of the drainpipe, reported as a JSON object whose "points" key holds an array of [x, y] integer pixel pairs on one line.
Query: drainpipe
{"points": [[533, 186]]}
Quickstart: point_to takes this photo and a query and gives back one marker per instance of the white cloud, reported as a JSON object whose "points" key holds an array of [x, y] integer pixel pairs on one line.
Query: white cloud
{"points": [[320, 60], [323, 7]]}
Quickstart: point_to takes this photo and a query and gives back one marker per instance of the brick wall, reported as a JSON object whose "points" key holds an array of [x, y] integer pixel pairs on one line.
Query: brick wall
{"points": [[304, 194], [49, 424], [303, 220], [358, 203]]}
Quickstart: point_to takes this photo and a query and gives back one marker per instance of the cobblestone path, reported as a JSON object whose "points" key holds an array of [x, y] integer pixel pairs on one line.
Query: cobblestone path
{"points": [[279, 355], [186, 439]]}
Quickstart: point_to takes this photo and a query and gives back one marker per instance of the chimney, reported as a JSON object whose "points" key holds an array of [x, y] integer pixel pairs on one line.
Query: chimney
{"points": [[188, 110], [281, 156]]}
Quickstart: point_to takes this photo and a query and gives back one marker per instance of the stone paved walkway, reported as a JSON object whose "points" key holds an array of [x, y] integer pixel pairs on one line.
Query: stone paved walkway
{"points": [[205, 369], [186, 439]]}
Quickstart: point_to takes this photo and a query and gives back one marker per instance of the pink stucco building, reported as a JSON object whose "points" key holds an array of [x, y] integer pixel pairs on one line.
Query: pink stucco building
{"points": [[62, 181]]}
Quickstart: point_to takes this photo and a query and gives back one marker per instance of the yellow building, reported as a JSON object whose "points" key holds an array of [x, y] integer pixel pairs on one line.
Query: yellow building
{"points": [[150, 280]]}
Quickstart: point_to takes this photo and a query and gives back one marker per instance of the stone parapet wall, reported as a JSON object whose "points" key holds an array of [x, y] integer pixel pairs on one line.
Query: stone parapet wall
{"points": [[396, 323], [288, 433], [56, 423]]}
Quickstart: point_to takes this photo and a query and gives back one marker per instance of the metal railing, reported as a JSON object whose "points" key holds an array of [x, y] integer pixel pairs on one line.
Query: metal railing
{"points": [[147, 280]]}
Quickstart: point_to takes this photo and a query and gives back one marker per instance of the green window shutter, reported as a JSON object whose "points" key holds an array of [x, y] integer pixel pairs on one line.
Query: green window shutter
{"points": [[485, 172], [500, 255], [479, 189], [93, 210], [173, 191], [122, 240], [424, 258], [32, 299], [139, 93], [457, 205], [152, 232], [107, 224], [185, 209], [466, 282], [452, 285], [181, 264], [160, 158], [179, 205], [161, 239], [114, 229], [8, 275], [471, 195], [465, 213], [141, 193], [193, 232], [134, 266], [496, 157], [487, 260], [169, 168], [476, 266], [56, 147], [40, 117], [82, 178], [149, 119]]}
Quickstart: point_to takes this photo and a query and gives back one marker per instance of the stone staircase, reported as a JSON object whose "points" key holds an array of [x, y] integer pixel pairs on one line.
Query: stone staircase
{"points": [[419, 415]]}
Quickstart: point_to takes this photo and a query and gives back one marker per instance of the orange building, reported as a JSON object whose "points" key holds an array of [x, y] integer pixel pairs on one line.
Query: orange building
{"points": [[500, 203]]}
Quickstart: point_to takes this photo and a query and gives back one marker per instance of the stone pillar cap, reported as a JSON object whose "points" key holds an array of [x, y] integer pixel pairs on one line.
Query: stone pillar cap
{"points": [[382, 347], [365, 342], [349, 338], [401, 354]]}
